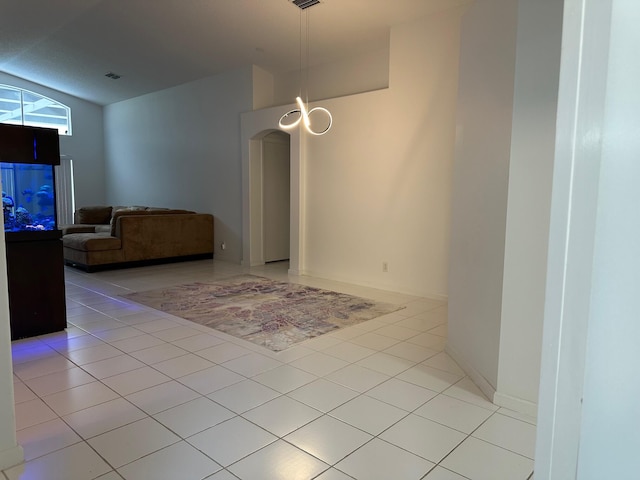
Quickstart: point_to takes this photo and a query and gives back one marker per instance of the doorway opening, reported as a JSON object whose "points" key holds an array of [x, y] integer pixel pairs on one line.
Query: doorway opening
{"points": [[276, 197]]}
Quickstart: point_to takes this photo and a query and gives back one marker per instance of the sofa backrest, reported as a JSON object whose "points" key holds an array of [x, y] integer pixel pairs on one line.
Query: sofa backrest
{"points": [[93, 215], [126, 212]]}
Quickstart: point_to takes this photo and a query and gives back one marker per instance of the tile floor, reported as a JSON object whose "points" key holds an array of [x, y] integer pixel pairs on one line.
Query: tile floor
{"points": [[127, 392]]}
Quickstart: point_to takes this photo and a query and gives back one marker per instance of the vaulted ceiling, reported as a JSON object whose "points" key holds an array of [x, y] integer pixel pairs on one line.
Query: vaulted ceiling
{"points": [[154, 44]]}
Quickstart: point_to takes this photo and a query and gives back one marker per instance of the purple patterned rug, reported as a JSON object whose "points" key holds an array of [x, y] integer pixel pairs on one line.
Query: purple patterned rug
{"points": [[266, 312]]}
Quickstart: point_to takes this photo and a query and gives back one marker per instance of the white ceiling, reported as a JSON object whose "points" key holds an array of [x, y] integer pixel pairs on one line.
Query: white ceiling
{"points": [[154, 44]]}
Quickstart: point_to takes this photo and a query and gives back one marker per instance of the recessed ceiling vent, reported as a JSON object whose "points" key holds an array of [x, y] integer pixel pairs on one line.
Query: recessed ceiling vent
{"points": [[113, 76], [303, 4]]}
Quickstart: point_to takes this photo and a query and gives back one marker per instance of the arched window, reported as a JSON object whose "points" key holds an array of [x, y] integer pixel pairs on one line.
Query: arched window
{"points": [[22, 107]]}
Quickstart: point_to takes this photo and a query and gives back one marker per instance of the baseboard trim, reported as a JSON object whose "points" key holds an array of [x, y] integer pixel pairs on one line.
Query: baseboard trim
{"points": [[516, 404], [475, 376], [11, 457], [360, 283]]}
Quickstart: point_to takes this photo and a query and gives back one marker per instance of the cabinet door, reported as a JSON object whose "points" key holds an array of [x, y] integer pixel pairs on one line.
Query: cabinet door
{"points": [[35, 273]]}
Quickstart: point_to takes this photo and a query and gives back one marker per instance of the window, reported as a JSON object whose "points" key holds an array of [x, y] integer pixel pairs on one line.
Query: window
{"points": [[22, 107]]}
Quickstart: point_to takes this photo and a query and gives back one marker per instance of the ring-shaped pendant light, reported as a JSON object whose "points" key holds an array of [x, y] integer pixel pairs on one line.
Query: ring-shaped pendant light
{"points": [[304, 116]]}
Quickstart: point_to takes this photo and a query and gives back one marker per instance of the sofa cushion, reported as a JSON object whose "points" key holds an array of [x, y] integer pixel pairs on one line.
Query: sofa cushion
{"points": [[98, 214], [102, 229], [91, 242]]}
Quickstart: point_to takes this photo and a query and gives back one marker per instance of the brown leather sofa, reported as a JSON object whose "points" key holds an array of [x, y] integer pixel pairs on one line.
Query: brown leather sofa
{"points": [[106, 237]]}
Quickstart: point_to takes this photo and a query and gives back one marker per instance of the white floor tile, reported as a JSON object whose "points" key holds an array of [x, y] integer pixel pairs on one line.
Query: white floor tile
{"points": [[397, 331], [194, 416], [180, 460], [104, 417], [454, 413], [162, 397], [79, 398], [379, 460], [357, 378], [440, 473], [93, 354], [282, 415], [244, 396], [401, 394], [198, 342], [368, 414], [223, 352], [442, 361], [333, 474], [279, 461], [349, 352], [424, 438], [139, 342], [328, 439], [411, 351], [285, 378], [434, 342], [77, 462], [467, 391], [135, 380], [374, 341], [385, 369], [212, 379], [183, 365], [483, 461], [251, 364], [112, 366], [323, 395], [232, 440], [76, 343], [133, 441], [45, 438], [386, 364], [222, 475], [22, 393], [319, 363], [120, 333], [44, 366], [176, 333], [509, 433], [110, 476], [427, 377], [157, 325], [58, 381], [158, 353]]}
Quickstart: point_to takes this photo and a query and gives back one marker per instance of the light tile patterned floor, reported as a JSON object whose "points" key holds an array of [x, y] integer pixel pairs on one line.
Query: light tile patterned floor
{"points": [[127, 392]]}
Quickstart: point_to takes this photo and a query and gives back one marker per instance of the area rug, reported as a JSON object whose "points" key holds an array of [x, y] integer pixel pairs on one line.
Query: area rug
{"points": [[266, 312]]}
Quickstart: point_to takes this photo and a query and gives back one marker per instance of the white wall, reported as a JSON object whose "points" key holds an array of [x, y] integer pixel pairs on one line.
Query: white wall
{"points": [[480, 179], [86, 144], [377, 186], [530, 174], [610, 435], [10, 452], [180, 148], [502, 189], [364, 73]]}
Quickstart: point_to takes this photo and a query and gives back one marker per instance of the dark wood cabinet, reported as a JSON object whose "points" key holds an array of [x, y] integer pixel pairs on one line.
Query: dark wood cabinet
{"points": [[35, 274]]}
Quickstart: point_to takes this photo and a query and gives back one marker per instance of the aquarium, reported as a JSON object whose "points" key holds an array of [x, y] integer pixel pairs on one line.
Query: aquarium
{"points": [[28, 197]]}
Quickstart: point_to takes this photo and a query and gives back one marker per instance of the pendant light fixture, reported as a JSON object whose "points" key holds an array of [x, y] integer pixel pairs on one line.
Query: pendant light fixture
{"points": [[292, 118]]}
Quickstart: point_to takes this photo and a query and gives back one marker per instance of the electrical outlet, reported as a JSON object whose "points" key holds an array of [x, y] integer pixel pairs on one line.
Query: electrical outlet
{"points": [[385, 267], [223, 246]]}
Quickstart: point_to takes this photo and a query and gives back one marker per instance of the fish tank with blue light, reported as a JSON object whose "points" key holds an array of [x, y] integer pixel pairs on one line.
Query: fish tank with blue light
{"points": [[28, 156], [28, 197]]}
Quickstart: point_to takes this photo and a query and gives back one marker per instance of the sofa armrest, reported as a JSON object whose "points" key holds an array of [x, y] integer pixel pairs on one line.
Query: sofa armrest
{"points": [[77, 228]]}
